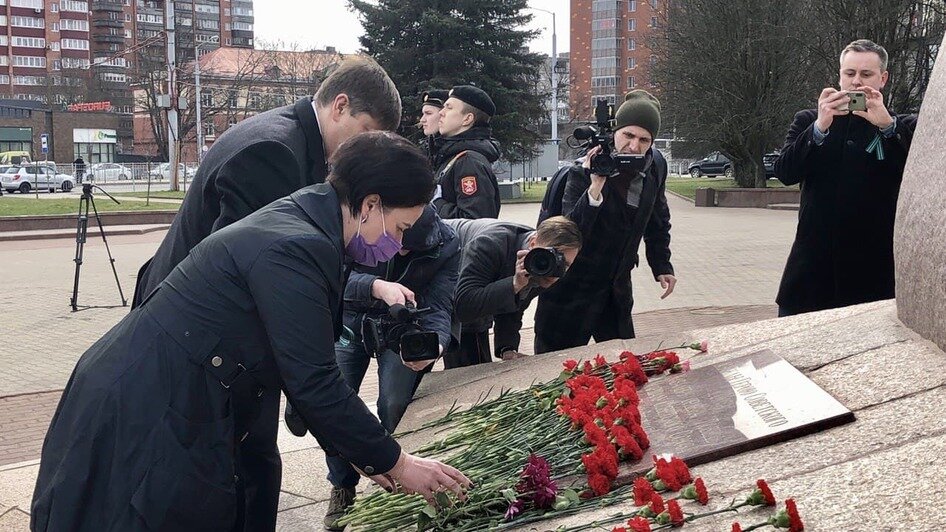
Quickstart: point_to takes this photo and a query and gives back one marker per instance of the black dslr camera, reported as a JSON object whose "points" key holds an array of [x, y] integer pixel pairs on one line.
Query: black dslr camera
{"points": [[605, 162], [399, 330], [545, 262]]}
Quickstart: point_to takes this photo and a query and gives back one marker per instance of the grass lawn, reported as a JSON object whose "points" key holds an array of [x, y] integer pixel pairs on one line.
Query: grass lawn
{"points": [[532, 192], [686, 186], [33, 206], [143, 193]]}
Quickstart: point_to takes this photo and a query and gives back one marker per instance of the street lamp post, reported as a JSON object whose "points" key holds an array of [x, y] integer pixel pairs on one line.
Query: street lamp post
{"points": [[200, 125], [554, 115]]}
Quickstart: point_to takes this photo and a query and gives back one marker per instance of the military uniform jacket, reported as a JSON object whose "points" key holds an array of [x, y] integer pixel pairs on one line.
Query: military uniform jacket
{"points": [[146, 434], [258, 161], [843, 249], [468, 186]]}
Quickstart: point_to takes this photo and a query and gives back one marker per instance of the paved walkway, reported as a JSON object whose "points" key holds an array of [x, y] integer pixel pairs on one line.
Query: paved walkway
{"points": [[728, 262]]}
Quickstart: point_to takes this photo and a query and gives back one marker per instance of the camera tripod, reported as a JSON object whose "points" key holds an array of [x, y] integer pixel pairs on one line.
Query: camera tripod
{"points": [[82, 231]]}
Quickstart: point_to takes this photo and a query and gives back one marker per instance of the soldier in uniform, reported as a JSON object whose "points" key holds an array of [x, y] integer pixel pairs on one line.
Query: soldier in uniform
{"points": [[430, 121], [467, 185]]}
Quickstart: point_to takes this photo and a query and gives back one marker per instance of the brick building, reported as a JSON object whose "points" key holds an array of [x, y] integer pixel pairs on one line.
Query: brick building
{"points": [[92, 134], [608, 51]]}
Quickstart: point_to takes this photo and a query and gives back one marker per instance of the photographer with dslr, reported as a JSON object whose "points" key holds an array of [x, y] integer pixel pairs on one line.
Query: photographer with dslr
{"points": [[505, 266], [617, 200], [848, 155], [379, 310]]}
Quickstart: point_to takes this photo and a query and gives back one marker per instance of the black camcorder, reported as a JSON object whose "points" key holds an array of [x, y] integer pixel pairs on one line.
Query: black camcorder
{"points": [[399, 330], [545, 262], [606, 162]]}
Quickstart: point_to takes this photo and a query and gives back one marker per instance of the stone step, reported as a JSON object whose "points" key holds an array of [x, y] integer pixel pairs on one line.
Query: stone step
{"points": [[783, 206]]}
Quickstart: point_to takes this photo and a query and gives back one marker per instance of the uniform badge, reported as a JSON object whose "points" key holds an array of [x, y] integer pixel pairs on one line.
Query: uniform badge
{"points": [[468, 185]]}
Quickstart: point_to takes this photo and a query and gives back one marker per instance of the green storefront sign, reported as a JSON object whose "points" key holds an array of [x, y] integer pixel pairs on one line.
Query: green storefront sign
{"points": [[16, 134]]}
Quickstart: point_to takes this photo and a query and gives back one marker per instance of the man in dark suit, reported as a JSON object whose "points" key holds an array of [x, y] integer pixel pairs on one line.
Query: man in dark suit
{"points": [[850, 165], [259, 161], [272, 155], [615, 213]]}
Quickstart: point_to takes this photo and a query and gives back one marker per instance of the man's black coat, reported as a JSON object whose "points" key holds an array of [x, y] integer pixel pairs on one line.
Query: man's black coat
{"points": [[146, 437], [485, 292], [468, 185], [843, 250], [258, 161], [595, 297]]}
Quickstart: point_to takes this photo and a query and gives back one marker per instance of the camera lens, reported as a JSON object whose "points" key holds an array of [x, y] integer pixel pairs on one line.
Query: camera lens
{"points": [[540, 262]]}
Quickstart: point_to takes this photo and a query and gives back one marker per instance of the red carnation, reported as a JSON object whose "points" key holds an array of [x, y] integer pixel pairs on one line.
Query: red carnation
{"points": [[628, 445], [587, 368], [600, 361], [701, 494], [639, 524], [667, 474], [640, 436], [736, 527], [599, 484], [766, 492], [570, 365], [681, 470], [643, 491], [676, 514], [657, 504], [619, 529], [795, 524]]}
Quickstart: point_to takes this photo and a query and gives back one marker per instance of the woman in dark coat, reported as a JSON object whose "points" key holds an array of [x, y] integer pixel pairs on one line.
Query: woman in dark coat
{"points": [[148, 433]]}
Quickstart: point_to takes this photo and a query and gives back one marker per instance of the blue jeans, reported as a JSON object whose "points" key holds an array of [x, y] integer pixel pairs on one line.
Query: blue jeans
{"points": [[397, 383]]}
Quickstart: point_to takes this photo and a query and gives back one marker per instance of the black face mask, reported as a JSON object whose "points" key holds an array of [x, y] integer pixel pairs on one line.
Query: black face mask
{"points": [[415, 238]]}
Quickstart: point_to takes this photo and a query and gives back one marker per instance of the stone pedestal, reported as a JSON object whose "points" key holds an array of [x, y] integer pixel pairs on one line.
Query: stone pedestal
{"points": [[920, 234]]}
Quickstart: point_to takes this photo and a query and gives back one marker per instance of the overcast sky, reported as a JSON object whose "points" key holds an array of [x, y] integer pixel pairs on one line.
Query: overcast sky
{"points": [[321, 23]]}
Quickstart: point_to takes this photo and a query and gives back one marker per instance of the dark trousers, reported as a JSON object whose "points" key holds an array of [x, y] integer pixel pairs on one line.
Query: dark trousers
{"points": [[473, 349], [260, 469], [598, 320], [396, 383]]}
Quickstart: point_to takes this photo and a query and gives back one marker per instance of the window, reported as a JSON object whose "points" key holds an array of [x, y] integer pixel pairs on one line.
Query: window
{"points": [[127, 17], [206, 24], [632, 5], [111, 77], [29, 42], [74, 25], [74, 5], [631, 82], [256, 100], [243, 11], [206, 98], [54, 7], [54, 46], [29, 80], [71, 62], [632, 24], [153, 19], [4, 60], [3, 19], [653, 22], [57, 64], [27, 22], [34, 4], [631, 63], [55, 27], [242, 26], [4, 79], [202, 8], [232, 99], [29, 61], [631, 44], [653, 4], [75, 44], [94, 153]]}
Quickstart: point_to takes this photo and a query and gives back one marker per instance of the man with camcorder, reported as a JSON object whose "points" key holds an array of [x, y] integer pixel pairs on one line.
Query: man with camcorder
{"points": [[617, 198], [400, 312], [848, 155], [505, 266]]}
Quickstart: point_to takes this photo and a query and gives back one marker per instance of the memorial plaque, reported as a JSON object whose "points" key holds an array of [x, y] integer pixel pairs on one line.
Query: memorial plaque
{"points": [[732, 407]]}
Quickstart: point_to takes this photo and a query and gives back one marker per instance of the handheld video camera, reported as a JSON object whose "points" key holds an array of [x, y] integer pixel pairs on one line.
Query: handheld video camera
{"points": [[545, 262], [399, 330], [601, 134]]}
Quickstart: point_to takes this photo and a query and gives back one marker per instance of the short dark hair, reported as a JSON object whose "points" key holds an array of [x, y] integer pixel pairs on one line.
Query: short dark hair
{"points": [[369, 90], [480, 118], [866, 45], [382, 163], [559, 232]]}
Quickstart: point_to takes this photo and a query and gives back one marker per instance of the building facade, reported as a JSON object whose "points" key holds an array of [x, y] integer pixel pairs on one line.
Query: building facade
{"points": [[609, 52], [66, 51], [91, 133]]}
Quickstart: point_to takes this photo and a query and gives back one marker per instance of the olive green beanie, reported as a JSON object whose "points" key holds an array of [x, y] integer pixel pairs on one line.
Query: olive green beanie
{"points": [[640, 108]]}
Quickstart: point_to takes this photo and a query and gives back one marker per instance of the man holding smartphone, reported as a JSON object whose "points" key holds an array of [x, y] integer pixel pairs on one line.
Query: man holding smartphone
{"points": [[424, 272], [849, 156]]}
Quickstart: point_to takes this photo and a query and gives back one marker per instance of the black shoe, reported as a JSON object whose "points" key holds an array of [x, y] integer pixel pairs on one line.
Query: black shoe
{"points": [[341, 500], [294, 421]]}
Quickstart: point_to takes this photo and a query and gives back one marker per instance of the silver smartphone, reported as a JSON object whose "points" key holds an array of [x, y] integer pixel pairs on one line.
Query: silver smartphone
{"points": [[858, 102]]}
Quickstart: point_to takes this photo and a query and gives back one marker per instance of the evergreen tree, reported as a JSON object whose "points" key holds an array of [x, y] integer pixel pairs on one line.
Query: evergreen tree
{"points": [[436, 44]]}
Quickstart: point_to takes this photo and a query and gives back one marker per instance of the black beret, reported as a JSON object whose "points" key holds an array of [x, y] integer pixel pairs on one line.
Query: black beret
{"points": [[434, 97], [474, 96]]}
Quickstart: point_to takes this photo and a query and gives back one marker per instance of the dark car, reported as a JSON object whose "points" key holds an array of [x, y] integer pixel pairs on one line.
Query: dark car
{"points": [[768, 160], [712, 165]]}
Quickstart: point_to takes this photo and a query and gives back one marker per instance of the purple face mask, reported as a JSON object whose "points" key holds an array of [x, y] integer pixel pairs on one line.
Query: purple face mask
{"points": [[371, 254]]}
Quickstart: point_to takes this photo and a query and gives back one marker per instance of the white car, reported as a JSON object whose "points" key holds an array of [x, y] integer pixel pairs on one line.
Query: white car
{"points": [[103, 172], [24, 178], [163, 171]]}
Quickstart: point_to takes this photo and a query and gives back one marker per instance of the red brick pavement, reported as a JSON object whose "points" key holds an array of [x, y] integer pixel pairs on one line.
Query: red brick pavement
{"points": [[25, 418]]}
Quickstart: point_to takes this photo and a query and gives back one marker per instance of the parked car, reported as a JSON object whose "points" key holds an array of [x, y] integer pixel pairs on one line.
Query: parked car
{"points": [[24, 178], [163, 171], [109, 172], [712, 165], [768, 160]]}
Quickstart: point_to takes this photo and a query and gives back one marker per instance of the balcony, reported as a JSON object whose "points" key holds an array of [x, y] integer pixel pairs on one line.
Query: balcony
{"points": [[108, 23], [107, 5], [111, 39]]}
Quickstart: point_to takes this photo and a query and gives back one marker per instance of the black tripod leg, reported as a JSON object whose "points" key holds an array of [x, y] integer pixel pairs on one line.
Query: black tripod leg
{"points": [[118, 283], [82, 228]]}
